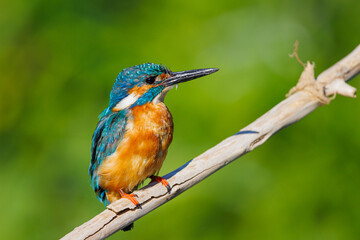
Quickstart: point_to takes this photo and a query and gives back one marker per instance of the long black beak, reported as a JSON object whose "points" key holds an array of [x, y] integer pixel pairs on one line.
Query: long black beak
{"points": [[184, 76]]}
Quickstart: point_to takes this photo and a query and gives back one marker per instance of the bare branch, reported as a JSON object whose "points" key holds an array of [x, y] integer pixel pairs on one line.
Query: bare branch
{"points": [[302, 100]]}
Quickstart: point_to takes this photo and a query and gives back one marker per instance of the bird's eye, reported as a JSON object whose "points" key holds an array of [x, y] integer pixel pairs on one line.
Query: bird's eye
{"points": [[150, 80]]}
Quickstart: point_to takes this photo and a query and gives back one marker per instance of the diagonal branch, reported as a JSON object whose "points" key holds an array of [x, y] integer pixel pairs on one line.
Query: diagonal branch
{"points": [[305, 97]]}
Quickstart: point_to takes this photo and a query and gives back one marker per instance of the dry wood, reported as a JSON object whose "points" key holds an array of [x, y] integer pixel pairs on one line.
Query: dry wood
{"points": [[305, 97]]}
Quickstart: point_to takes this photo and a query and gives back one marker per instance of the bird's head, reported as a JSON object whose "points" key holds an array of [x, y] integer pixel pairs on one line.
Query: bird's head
{"points": [[148, 82]]}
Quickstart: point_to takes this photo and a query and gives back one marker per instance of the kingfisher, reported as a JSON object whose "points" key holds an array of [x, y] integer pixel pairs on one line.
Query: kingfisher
{"points": [[134, 132]]}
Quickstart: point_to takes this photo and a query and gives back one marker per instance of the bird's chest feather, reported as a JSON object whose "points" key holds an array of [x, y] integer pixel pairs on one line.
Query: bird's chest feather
{"points": [[143, 148]]}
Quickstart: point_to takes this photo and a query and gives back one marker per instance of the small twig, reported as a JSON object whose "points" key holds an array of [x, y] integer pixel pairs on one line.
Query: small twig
{"points": [[295, 53]]}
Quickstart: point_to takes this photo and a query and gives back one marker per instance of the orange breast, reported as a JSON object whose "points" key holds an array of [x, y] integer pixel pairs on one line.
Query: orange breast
{"points": [[141, 152]]}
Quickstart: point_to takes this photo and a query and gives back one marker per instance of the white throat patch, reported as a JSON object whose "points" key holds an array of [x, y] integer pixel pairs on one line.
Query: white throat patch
{"points": [[160, 97]]}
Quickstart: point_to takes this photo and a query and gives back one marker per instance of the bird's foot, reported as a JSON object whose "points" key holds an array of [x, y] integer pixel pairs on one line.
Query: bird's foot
{"points": [[131, 197], [162, 181]]}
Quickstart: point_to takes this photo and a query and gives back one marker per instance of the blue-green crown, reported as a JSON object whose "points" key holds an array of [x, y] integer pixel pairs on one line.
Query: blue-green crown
{"points": [[131, 77]]}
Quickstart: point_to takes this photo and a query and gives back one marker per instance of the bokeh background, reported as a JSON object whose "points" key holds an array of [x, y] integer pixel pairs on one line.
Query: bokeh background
{"points": [[58, 61]]}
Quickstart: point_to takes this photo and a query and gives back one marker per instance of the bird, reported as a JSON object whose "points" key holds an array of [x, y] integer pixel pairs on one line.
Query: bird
{"points": [[133, 133]]}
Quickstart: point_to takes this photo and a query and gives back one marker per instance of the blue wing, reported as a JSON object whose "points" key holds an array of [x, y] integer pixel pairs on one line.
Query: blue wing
{"points": [[108, 133]]}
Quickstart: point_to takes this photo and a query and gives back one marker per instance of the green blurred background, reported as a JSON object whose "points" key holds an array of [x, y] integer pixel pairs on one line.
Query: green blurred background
{"points": [[58, 61]]}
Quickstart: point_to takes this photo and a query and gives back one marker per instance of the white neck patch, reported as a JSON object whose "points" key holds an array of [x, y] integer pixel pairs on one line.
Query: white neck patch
{"points": [[126, 102], [132, 98]]}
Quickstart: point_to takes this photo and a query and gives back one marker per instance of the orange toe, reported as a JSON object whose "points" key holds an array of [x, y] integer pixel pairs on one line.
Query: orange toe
{"points": [[131, 197], [162, 181]]}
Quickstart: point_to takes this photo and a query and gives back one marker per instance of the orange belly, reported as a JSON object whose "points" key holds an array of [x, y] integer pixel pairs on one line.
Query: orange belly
{"points": [[141, 152]]}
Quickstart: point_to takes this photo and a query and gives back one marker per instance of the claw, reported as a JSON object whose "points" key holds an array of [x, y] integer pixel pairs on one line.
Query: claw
{"points": [[162, 181], [131, 197]]}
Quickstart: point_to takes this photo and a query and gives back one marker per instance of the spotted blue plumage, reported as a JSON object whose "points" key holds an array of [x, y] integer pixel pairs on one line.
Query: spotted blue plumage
{"points": [[131, 77]]}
